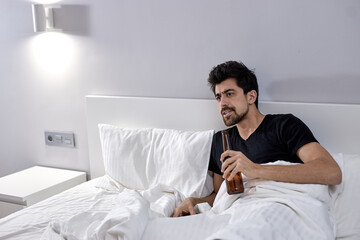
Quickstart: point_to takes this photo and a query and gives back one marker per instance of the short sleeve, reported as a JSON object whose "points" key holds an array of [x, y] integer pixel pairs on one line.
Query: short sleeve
{"points": [[214, 162], [295, 133]]}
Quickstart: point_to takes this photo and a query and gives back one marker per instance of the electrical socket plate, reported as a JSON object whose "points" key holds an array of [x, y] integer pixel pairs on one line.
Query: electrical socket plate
{"points": [[62, 139]]}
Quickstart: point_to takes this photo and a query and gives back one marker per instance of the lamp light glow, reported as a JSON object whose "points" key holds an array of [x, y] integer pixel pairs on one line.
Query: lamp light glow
{"points": [[53, 53]]}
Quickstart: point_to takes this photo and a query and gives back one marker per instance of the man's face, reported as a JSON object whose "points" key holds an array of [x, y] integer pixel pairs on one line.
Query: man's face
{"points": [[232, 102]]}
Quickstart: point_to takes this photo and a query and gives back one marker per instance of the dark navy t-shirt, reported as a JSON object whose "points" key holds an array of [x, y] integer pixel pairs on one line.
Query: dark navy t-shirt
{"points": [[278, 137]]}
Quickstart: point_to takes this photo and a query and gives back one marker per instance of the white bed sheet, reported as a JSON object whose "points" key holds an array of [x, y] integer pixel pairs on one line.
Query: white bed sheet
{"points": [[101, 209], [97, 195], [99, 199], [266, 210]]}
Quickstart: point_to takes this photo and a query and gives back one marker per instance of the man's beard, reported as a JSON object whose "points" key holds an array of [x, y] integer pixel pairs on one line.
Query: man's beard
{"points": [[234, 118]]}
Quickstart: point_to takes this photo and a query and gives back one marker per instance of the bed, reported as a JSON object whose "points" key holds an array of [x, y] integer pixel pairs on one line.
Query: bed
{"points": [[148, 154]]}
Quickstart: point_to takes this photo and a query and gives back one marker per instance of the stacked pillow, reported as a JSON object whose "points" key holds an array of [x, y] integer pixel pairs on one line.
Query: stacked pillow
{"points": [[143, 158]]}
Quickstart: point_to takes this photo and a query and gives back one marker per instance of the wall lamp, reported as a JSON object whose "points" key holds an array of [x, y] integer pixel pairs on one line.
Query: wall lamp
{"points": [[43, 17]]}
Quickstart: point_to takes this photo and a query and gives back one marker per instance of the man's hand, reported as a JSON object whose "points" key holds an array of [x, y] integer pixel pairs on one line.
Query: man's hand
{"points": [[318, 167], [185, 208], [234, 162]]}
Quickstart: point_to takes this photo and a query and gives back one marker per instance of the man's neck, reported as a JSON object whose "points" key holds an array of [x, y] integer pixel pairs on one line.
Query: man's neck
{"points": [[250, 123]]}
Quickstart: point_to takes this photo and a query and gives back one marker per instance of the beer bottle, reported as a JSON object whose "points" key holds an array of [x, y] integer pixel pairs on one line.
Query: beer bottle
{"points": [[236, 184]]}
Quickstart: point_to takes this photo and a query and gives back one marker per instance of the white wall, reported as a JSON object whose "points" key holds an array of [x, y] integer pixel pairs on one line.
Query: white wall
{"points": [[301, 50]]}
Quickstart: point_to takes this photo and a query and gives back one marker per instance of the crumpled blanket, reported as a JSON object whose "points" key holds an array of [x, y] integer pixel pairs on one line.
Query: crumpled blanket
{"points": [[275, 210], [126, 221], [266, 210]]}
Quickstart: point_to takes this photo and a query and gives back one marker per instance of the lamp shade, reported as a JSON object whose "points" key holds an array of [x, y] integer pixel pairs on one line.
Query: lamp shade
{"points": [[43, 18]]}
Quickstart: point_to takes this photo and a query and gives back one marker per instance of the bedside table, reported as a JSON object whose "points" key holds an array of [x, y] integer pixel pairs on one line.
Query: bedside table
{"points": [[24, 188]]}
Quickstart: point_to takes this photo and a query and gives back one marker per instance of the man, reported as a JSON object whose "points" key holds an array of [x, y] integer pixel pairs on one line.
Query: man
{"points": [[256, 139]]}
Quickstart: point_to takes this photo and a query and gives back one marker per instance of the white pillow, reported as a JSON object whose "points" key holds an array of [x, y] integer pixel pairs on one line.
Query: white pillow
{"points": [[347, 207], [144, 158]]}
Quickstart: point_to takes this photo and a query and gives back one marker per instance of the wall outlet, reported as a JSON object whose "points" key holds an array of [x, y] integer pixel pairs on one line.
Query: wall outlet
{"points": [[62, 139]]}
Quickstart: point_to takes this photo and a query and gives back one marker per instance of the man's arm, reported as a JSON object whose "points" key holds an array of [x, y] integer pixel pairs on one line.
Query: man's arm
{"points": [[318, 168], [187, 206]]}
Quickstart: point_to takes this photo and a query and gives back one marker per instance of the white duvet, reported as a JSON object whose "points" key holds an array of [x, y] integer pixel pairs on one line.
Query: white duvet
{"points": [[266, 210], [127, 219]]}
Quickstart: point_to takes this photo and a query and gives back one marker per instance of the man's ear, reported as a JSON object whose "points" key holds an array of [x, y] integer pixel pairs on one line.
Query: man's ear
{"points": [[252, 96]]}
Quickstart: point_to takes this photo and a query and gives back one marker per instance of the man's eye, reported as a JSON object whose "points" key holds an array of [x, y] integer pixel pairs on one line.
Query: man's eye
{"points": [[229, 94]]}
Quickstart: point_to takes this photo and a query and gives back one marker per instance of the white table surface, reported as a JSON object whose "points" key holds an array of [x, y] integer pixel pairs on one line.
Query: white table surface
{"points": [[36, 183]]}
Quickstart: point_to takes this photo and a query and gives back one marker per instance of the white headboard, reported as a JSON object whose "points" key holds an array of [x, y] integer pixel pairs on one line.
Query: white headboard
{"points": [[334, 125]]}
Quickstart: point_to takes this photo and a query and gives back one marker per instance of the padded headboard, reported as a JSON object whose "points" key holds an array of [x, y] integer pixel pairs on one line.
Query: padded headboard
{"points": [[334, 125]]}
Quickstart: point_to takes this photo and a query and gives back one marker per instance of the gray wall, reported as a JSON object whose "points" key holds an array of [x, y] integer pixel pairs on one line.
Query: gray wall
{"points": [[305, 51]]}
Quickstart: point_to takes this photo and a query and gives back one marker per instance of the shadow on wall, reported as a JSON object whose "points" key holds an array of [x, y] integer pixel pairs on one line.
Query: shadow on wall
{"points": [[73, 19], [332, 89]]}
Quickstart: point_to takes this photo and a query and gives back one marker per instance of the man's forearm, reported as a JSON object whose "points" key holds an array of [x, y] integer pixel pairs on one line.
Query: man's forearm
{"points": [[318, 167], [209, 199], [316, 172]]}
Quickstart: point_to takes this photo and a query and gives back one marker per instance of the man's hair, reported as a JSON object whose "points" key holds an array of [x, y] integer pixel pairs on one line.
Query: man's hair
{"points": [[245, 78]]}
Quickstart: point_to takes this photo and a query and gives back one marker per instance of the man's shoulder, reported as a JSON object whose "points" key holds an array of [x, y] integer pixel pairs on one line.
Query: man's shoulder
{"points": [[279, 121], [280, 116], [284, 122]]}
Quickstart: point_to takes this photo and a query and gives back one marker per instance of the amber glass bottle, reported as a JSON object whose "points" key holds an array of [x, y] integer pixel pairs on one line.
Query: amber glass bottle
{"points": [[236, 185]]}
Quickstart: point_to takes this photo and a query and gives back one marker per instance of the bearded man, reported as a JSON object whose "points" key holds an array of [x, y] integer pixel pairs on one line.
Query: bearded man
{"points": [[257, 139]]}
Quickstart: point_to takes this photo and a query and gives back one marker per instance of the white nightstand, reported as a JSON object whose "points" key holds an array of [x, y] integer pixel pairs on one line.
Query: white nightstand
{"points": [[32, 185]]}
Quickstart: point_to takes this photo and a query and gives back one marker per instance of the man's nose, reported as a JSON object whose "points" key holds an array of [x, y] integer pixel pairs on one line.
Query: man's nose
{"points": [[224, 102]]}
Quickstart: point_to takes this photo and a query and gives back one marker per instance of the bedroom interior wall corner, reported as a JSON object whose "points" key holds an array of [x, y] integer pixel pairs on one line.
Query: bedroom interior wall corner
{"points": [[163, 49]]}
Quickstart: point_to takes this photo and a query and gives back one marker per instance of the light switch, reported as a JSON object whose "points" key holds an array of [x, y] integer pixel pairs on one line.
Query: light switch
{"points": [[63, 139]]}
